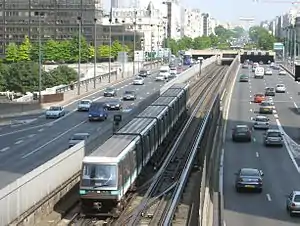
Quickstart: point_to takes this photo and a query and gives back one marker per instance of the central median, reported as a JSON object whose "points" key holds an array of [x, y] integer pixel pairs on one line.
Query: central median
{"points": [[53, 186]]}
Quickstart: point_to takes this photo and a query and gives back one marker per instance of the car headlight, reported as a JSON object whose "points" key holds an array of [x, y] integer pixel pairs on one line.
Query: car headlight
{"points": [[90, 115]]}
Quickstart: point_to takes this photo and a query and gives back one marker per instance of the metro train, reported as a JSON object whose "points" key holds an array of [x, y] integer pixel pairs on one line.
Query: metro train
{"points": [[111, 170]]}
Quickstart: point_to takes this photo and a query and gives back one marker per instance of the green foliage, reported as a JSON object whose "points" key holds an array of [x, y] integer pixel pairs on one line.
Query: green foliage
{"points": [[223, 33], [262, 38], [115, 48], [239, 32], [104, 51], [12, 53], [24, 50]]}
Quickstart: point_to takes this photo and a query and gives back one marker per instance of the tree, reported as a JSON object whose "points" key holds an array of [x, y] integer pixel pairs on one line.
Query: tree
{"points": [[214, 40], [116, 48], [65, 55], [62, 75], [24, 50], [74, 49], [3, 75], [34, 52], [261, 37], [52, 50], [12, 53], [238, 32], [103, 51]]}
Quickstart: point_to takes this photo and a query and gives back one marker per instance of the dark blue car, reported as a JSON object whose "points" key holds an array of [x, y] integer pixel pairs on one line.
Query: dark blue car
{"points": [[97, 112]]}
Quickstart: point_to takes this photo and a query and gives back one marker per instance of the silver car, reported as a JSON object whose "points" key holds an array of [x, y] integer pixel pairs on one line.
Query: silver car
{"points": [[261, 122], [273, 137], [55, 112], [77, 138], [129, 95], [293, 203], [84, 105]]}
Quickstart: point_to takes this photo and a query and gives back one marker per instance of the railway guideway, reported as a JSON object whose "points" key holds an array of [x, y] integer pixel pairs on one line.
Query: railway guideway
{"points": [[257, 56]]}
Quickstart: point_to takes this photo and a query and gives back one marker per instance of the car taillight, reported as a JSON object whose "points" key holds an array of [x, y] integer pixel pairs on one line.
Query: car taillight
{"points": [[293, 204], [240, 180]]}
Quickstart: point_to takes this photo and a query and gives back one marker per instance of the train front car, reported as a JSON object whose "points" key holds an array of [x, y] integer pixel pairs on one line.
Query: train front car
{"points": [[107, 175]]}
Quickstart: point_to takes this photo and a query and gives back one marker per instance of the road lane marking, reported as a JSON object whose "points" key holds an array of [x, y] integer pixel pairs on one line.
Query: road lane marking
{"points": [[5, 149], [290, 152], [269, 197], [250, 91], [40, 130], [19, 142], [221, 171], [251, 110], [31, 135], [291, 97], [296, 106], [50, 141], [254, 140], [257, 155], [274, 111], [250, 96]]}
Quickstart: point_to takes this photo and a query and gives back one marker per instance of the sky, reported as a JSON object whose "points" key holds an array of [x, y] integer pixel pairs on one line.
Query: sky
{"points": [[232, 10]]}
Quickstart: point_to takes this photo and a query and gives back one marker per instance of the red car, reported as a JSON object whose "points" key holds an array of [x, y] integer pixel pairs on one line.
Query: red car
{"points": [[259, 97]]}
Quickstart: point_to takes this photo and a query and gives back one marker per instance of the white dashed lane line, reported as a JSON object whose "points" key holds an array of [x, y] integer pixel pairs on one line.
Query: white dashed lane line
{"points": [[269, 197], [31, 135], [5, 149], [40, 130], [257, 155], [19, 142]]}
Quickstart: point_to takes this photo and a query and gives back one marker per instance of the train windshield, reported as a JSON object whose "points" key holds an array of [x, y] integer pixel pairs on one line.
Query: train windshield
{"points": [[99, 176], [187, 59]]}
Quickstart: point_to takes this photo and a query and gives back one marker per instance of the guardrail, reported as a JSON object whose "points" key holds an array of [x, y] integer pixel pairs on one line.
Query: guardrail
{"points": [[21, 198], [187, 74], [66, 88], [285, 67]]}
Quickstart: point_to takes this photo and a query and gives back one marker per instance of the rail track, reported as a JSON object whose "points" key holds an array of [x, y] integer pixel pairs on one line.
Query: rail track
{"points": [[149, 208]]}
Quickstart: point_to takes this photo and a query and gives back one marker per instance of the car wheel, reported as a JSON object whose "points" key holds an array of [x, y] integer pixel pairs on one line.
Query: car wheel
{"points": [[259, 190], [287, 208], [249, 140], [291, 213]]}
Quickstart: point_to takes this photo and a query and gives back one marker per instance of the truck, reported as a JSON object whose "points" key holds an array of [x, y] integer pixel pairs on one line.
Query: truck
{"points": [[259, 72], [164, 73]]}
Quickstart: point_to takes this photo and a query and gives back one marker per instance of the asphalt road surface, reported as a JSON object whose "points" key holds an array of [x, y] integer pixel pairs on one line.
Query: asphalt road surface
{"points": [[26, 147], [280, 173]]}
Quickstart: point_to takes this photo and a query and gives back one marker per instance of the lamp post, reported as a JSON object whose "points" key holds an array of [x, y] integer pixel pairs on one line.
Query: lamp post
{"points": [[79, 54], [151, 47], [123, 44], [158, 40], [40, 60], [109, 60], [200, 64], [138, 60], [95, 51], [134, 41], [295, 47]]}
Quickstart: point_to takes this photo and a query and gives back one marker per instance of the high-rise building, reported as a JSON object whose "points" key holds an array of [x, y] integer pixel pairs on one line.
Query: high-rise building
{"points": [[205, 26], [55, 19], [115, 3], [192, 23]]}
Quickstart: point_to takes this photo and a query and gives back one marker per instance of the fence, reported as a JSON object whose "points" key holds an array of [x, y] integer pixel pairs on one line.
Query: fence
{"points": [[100, 77], [22, 197]]}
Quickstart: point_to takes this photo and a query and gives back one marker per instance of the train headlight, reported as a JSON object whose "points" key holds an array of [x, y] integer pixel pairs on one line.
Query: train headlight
{"points": [[82, 192]]}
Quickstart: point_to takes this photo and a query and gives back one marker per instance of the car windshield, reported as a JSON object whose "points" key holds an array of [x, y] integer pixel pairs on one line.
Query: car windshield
{"points": [[274, 134], [54, 109], [280, 85], [163, 71], [261, 119], [109, 89], [297, 198], [128, 92], [249, 172], [270, 89], [143, 71], [95, 175], [244, 76], [266, 104], [138, 79], [116, 101], [241, 129], [78, 137], [84, 102]]}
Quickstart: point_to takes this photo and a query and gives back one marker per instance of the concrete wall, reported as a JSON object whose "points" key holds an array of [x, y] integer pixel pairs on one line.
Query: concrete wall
{"points": [[8, 108]]}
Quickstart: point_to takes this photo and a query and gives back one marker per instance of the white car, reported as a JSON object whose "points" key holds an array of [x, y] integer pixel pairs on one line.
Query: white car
{"points": [[280, 88], [173, 71], [160, 77], [138, 81], [268, 72], [55, 112], [261, 122], [282, 72], [84, 105]]}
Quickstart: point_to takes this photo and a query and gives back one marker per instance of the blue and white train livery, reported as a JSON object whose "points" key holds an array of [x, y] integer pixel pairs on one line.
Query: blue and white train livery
{"points": [[110, 171]]}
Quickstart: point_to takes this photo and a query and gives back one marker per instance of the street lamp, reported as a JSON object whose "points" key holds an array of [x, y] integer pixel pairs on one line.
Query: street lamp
{"points": [[138, 58], [151, 47], [95, 51], [40, 58], [123, 44], [134, 40], [200, 64], [79, 54], [109, 60]]}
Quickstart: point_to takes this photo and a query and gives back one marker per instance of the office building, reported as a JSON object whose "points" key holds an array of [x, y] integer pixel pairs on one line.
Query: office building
{"points": [[192, 23], [57, 19]]}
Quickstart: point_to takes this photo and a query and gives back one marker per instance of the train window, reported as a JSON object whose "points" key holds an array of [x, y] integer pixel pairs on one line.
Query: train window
{"points": [[126, 167], [165, 124], [156, 137], [151, 140], [147, 147], [139, 155], [133, 160], [120, 178]]}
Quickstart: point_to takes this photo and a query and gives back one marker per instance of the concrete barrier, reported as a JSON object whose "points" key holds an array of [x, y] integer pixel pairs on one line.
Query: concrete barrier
{"points": [[10, 107]]}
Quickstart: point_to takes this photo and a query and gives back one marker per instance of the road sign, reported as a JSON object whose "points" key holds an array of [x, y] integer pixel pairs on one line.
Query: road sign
{"points": [[278, 46]]}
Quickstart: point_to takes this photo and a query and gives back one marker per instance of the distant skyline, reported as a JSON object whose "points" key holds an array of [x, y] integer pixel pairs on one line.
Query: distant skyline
{"points": [[231, 10]]}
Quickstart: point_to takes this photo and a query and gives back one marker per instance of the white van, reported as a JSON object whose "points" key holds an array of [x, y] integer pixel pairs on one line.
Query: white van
{"points": [[259, 72], [164, 73]]}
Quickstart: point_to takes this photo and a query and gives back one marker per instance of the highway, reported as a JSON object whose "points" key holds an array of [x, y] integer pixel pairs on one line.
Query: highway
{"points": [[24, 148], [280, 173]]}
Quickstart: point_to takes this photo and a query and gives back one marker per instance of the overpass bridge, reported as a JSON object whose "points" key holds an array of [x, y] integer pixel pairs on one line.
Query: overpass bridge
{"points": [[227, 56]]}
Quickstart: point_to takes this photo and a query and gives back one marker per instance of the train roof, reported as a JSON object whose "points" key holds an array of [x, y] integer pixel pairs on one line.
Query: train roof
{"points": [[179, 86], [173, 93], [164, 101], [137, 126], [153, 112], [112, 148]]}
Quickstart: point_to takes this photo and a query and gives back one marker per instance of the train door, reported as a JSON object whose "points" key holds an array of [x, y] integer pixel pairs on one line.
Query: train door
{"points": [[139, 156]]}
